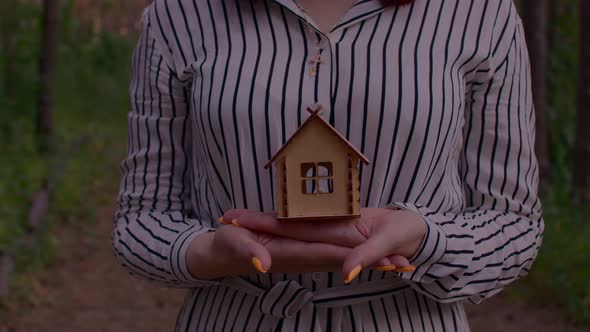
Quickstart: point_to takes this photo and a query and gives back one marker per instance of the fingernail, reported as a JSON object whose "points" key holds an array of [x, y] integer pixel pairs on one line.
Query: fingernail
{"points": [[258, 265], [235, 222], [221, 221], [353, 274], [385, 268], [410, 268]]}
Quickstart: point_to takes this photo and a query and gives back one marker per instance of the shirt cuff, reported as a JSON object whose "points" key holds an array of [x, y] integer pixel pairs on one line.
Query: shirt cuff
{"points": [[178, 257], [432, 250]]}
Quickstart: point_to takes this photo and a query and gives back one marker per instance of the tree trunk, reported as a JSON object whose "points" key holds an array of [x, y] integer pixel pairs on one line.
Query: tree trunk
{"points": [[47, 77], [581, 178], [534, 16], [7, 33]]}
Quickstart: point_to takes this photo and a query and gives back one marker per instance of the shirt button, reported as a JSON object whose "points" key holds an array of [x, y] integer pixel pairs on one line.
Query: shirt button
{"points": [[317, 276]]}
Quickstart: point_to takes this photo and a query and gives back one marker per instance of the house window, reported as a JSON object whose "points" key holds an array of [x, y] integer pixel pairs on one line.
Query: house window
{"points": [[317, 178]]}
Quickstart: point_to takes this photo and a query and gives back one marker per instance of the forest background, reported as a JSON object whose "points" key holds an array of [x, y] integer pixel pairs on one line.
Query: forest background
{"points": [[64, 75]]}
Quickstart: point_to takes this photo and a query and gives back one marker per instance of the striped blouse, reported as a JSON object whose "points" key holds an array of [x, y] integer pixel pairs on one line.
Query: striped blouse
{"points": [[436, 94]]}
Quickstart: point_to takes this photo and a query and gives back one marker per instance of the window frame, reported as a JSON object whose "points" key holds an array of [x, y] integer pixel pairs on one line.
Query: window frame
{"points": [[316, 178]]}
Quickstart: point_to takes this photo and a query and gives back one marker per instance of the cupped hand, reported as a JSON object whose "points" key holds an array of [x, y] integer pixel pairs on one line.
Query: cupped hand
{"points": [[237, 250], [383, 237]]}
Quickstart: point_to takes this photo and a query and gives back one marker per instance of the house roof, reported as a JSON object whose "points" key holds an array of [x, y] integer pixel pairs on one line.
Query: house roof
{"points": [[315, 115]]}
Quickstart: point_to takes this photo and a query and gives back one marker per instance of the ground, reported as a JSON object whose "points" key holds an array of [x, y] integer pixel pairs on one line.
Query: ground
{"points": [[86, 290]]}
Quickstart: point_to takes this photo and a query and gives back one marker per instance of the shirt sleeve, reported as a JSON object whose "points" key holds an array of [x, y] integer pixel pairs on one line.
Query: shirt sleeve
{"points": [[494, 240], [153, 225]]}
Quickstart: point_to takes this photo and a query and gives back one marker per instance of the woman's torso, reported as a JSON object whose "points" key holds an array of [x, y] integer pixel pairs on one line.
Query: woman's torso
{"points": [[394, 81]]}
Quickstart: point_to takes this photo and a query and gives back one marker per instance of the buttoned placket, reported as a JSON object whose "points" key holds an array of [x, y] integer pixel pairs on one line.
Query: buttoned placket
{"points": [[320, 68], [320, 71], [317, 57]]}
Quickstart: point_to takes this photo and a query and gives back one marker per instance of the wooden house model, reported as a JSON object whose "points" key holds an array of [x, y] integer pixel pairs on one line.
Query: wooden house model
{"points": [[317, 173]]}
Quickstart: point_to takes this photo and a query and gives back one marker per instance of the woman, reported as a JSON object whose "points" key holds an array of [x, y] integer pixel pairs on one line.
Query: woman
{"points": [[435, 93]]}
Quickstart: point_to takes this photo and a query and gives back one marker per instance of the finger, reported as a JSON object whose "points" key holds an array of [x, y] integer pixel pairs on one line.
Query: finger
{"points": [[242, 243], [410, 268], [366, 254], [399, 261], [394, 263], [403, 264], [256, 221], [230, 215], [339, 232], [381, 263], [306, 253]]}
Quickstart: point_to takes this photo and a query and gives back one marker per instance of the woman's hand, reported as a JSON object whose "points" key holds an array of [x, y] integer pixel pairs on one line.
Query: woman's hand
{"points": [[383, 237], [234, 250]]}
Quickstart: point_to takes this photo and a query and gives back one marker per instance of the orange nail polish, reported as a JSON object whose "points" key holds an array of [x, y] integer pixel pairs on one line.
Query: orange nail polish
{"points": [[353, 274], [235, 223], [386, 268], [258, 265], [221, 221], [410, 268]]}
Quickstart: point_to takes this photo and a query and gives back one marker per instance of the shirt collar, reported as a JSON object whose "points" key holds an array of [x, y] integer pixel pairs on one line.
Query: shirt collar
{"points": [[360, 10]]}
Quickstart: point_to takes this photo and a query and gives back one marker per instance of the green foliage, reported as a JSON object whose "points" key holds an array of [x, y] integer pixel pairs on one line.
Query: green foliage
{"points": [[562, 81], [91, 98], [561, 273], [562, 270]]}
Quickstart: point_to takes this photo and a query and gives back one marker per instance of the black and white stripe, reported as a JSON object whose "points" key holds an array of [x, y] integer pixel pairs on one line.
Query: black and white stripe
{"points": [[436, 94]]}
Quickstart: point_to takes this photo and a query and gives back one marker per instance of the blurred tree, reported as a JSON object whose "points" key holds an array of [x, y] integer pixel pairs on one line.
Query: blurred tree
{"points": [[47, 74], [534, 17], [7, 52], [581, 178]]}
